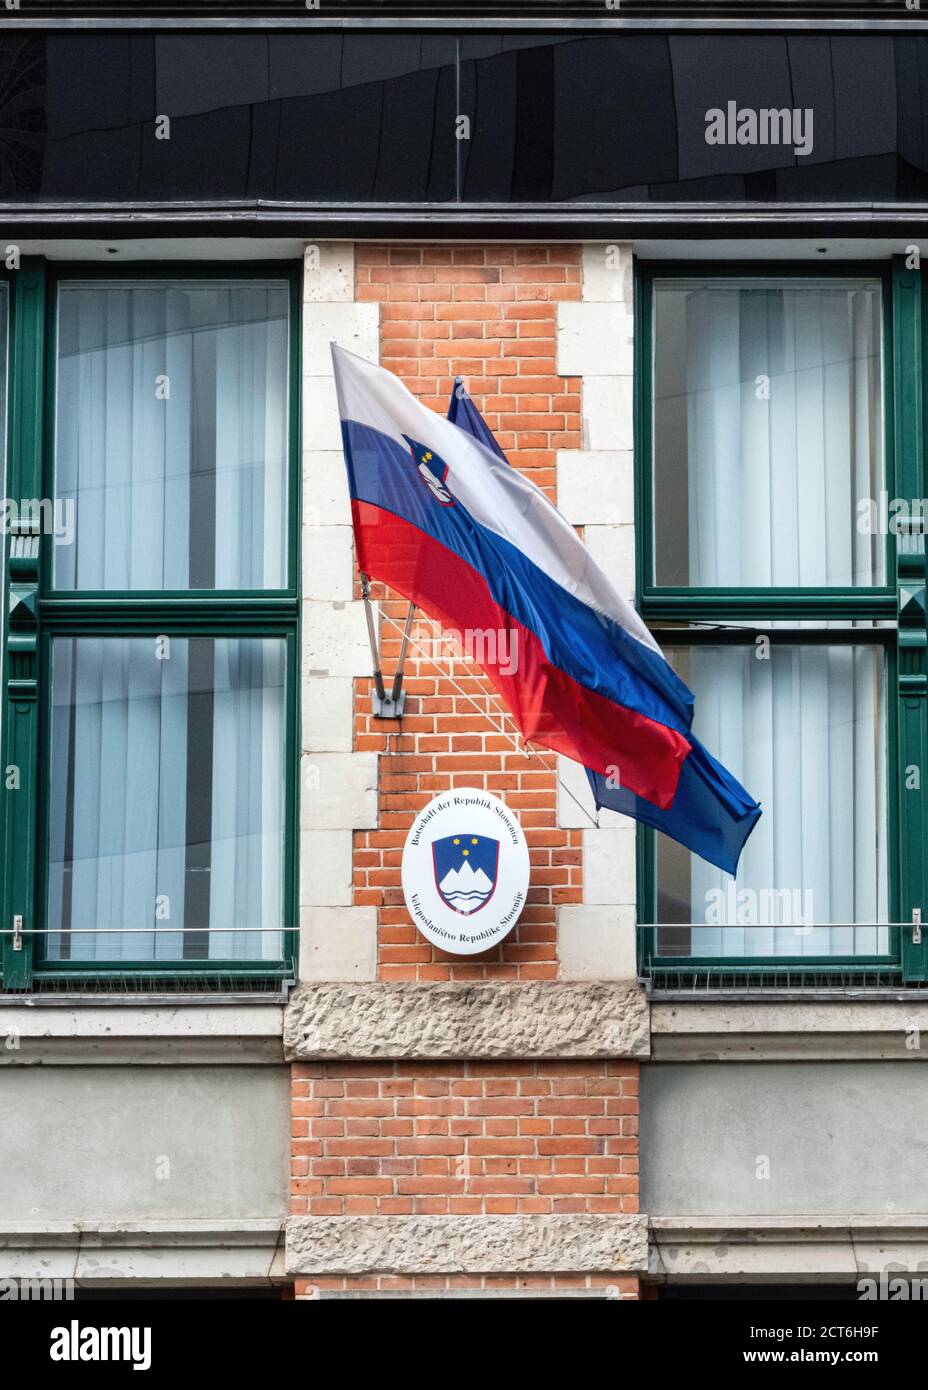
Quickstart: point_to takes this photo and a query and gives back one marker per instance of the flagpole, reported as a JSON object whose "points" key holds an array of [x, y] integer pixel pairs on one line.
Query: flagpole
{"points": [[404, 645], [372, 637]]}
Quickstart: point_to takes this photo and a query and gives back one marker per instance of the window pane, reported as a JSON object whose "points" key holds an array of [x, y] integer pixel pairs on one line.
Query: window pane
{"points": [[768, 432], [171, 434], [4, 321], [11, 514], [167, 798], [805, 732]]}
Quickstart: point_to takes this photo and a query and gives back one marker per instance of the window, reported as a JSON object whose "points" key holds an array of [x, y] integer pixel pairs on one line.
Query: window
{"points": [[171, 439], [773, 430], [803, 726], [768, 428], [176, 859], [8, 517], [151, 659]]}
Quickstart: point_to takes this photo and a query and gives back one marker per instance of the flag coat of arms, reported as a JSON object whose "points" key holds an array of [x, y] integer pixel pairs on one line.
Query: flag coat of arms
{"points": [[443, 518], [466, 870]]}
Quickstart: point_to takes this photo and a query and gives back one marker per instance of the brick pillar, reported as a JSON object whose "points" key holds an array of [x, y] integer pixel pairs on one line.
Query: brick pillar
{"points": [[489, 315], [463, 1122]]}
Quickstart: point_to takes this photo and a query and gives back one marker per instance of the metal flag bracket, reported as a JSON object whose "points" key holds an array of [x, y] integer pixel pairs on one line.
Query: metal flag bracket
{"points": [[384, 706]]}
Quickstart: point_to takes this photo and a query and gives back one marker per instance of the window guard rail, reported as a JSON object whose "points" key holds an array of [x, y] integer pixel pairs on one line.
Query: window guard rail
{"points": [[764, 974]]}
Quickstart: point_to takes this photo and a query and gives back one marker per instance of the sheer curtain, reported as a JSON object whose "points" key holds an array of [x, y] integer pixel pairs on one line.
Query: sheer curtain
{"points": [[117, 822], [122, 845], [768, 434], [769, 431], [251, 447], [248, 788], [171, 430], [804, 728], [167, 773]]}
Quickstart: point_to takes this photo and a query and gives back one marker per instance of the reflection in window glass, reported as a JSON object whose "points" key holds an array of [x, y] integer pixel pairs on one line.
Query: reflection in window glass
{"points": [[166, 808], [171, 434], [768, 432], [805, 730]]}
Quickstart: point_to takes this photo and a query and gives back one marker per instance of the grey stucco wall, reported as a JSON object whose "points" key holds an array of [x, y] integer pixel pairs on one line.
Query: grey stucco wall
{"points": [[89, 1143], [838, 1137]]}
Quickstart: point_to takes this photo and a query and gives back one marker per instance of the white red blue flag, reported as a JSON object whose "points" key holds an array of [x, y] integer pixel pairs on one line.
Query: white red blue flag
{"points": [[443, 519]]}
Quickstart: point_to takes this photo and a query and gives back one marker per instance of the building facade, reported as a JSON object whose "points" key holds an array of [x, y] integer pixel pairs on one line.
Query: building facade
{"points": [[676, 264]]}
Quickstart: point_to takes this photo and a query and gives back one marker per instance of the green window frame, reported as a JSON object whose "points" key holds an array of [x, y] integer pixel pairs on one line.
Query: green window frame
{"points": [[682, 616], [36, 614]]}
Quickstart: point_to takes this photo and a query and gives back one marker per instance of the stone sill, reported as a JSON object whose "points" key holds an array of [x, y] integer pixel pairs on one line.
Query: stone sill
{"points": [[798, 1248], [111, 1034], [806, 1031], [479, 1244], [177, 1253], [452, 1021]]}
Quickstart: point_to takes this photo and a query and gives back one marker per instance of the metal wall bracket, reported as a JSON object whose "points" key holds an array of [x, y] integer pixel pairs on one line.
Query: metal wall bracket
{"points": [[388, 706], [384, 706]]}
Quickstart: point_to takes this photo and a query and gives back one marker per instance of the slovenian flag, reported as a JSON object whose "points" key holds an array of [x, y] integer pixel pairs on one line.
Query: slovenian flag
{"points": [[712, 814], [440, 516]]}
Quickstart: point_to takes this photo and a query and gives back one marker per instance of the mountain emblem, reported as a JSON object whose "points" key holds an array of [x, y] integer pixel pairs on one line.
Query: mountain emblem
{"points": [[466, 869]]}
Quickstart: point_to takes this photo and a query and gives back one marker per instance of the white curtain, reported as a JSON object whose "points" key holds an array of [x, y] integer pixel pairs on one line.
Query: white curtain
{"points": [[251, 447], [804, 729], [156, 384], [118, 786], [782, 434], [782, 438], [118, 855], [171, 440], [248, 811]]}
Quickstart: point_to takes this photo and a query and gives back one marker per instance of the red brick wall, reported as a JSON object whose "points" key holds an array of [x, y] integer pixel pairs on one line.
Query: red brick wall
{"points": [[487, 314], [459, 1138], [610, 1285], [465, 1138]]}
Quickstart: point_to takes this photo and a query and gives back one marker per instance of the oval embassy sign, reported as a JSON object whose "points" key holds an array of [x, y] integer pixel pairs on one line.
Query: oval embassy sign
{"points": [[465, 871]]}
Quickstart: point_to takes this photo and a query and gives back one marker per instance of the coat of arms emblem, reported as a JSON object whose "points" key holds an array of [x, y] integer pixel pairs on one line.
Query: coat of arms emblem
{"points": [[466, 869]]}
